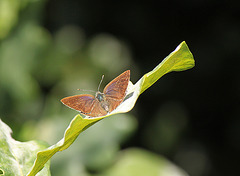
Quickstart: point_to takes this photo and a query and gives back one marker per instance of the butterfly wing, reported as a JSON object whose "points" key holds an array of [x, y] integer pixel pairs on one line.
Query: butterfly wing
{"points": [[115, 91], [86, 104]]}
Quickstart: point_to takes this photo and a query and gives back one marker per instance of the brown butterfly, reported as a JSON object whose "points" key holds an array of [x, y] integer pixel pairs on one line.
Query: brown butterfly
{"points": [[103, 103]]}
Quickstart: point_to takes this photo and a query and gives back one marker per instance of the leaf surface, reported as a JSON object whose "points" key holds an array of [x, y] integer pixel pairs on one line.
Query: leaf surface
{"points": [[16, 158]]}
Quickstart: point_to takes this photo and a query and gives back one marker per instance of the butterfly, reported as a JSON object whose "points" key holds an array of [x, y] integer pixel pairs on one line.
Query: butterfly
{"points": [[102, 103]]}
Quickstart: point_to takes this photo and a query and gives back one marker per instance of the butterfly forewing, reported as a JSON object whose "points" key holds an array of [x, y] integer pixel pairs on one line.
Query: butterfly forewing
{"points": [[115, 91], [85, 103]]}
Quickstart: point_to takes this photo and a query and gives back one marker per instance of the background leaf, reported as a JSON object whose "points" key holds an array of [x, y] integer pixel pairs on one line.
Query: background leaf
{"points": [[16, 158]]}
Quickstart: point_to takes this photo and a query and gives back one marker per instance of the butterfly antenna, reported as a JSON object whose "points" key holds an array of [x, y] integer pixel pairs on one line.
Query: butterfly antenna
{"points": [[100, 82]]}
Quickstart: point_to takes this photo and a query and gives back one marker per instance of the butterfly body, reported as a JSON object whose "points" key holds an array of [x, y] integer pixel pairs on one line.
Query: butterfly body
{"points": [[102, 103], [102, 100]]}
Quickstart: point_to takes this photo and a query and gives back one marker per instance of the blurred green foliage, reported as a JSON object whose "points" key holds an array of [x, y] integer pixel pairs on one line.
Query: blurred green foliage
{"points": [[38, 68], [139, 162]]}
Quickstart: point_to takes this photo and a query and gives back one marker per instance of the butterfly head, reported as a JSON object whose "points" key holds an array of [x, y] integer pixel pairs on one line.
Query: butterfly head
{"points": [[100, 96]]}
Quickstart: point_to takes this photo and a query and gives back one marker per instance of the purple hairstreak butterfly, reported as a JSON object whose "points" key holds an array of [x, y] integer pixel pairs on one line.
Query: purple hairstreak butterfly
{"points": [[102, 103]]}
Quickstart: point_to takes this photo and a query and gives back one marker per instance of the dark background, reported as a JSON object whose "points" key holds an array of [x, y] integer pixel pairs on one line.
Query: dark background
{"points": [[208, 94]]}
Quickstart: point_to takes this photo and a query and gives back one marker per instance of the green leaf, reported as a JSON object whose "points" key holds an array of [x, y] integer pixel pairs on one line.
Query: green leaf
{"points": [[16, 158], [77, 125], [180, 59]]}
